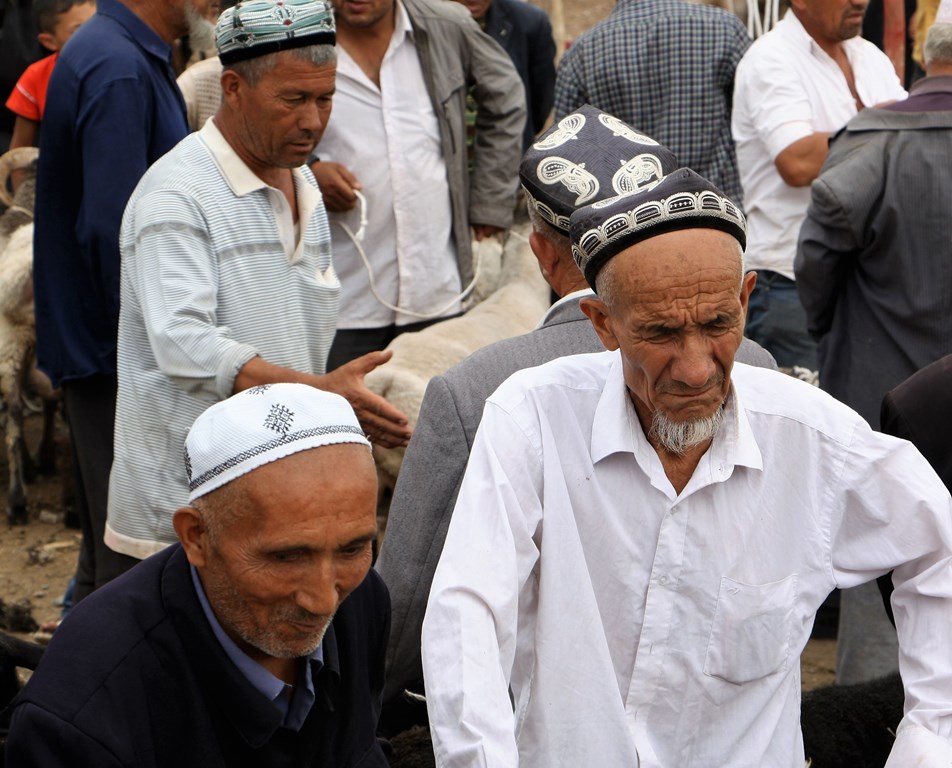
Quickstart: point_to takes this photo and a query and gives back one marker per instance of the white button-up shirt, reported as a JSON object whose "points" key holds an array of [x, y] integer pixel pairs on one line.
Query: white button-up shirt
{"points": [[641, 627], [389, 138], [785, 89]]}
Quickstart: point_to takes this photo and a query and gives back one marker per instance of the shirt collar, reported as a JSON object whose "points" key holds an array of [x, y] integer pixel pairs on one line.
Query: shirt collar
{"points": [[568, 298], [803, 39], [141, 32], [616, 428], [934, 84], [261, 679]]}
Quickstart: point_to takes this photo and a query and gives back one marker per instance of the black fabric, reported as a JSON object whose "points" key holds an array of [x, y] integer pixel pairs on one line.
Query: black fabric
{"points": [[18, 49], [920, 410], [135, 677], [523, 31]]}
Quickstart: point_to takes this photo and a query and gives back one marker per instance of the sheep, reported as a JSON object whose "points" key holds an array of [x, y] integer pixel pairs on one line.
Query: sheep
{"points": [[518, 303], [18, 331]]}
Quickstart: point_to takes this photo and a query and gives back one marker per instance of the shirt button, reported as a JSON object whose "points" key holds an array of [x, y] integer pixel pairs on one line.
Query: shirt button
{"points": [[662, 580]]}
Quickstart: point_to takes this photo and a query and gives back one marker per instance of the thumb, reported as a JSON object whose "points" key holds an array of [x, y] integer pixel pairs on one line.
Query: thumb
{"points": [[366, 363]]}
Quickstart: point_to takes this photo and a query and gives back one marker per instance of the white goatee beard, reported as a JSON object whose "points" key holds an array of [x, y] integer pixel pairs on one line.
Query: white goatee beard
{"points": [[678, 437]]}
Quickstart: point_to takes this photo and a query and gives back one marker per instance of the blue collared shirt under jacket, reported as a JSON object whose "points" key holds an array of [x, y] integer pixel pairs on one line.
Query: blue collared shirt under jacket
{"points": [[112, 109]]}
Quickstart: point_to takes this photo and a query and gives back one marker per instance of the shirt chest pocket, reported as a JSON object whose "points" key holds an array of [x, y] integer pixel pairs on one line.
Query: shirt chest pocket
{"points": [[752, 628]]}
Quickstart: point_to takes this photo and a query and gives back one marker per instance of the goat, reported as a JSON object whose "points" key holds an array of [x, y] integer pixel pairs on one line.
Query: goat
{"points": [[514, 305], [18, 331]]}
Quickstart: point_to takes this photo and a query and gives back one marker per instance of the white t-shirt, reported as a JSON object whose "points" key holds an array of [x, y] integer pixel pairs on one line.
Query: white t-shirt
{"points": [[787, 88]]}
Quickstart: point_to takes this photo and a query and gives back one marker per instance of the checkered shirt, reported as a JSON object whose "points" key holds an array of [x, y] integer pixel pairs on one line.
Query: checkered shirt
{"points": [[665, 67]]}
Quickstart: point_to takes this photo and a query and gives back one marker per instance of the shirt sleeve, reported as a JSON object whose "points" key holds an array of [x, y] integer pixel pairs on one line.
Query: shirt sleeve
{"points": [[895, 514], [500, 119], [172, 270], [570, 91], [23, 102], [777, 106], [113, 130], [469, 633]]}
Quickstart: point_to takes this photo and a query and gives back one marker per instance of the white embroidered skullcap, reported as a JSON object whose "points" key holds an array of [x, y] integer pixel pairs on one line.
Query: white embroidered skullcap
{"points": [[261, 425], [944, 14]]}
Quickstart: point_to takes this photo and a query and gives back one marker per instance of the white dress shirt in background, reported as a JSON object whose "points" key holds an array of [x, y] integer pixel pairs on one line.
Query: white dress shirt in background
{"points": [[787, 88], [389, 138]]}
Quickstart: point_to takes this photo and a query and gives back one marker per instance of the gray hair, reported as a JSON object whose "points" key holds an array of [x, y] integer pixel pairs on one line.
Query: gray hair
{"points": [[252, 70], [559, 239], [938, 45]]}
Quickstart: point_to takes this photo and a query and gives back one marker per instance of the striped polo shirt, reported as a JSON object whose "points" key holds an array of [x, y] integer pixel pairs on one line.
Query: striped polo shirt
{"points": [[214, 272]]}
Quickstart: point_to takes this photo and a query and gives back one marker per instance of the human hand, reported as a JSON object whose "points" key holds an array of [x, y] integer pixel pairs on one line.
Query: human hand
{"points": [[337, 185], [385, 425]]}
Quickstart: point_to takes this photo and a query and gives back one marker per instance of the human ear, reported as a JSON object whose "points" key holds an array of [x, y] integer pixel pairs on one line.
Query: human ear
{"points": [[192, 533], [597, 312], [746, 287]]}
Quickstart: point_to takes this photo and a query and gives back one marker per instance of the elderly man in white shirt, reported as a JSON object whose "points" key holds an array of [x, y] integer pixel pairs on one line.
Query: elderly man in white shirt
{"points": [[796, 86], [643, 536]]}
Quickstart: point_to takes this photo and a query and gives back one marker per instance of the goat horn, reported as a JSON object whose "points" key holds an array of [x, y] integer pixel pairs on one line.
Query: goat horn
{"points": [[14, 160]]}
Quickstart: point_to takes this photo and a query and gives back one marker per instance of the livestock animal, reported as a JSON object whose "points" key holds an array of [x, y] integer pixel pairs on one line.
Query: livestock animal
{"points": [[18, 331], [517, 298]]}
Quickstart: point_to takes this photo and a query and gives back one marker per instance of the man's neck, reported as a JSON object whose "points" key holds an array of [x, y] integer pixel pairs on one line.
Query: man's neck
{"points": [[368, 45], [157, 15]]}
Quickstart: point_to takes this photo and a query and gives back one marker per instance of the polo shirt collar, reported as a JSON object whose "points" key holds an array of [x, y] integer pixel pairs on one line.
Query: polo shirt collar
{"points": [[616, 429], [141, 32]]}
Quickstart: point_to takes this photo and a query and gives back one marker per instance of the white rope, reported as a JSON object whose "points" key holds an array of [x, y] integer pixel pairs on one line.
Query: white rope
{"points": [[359, 236], [757, 25]]}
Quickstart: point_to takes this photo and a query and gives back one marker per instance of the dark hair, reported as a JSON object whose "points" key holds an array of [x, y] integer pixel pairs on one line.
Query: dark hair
{"points": [[45, 12]]}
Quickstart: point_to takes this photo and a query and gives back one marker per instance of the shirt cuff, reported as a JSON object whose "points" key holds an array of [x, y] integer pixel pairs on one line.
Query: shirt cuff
{"points": [[920, 747], [784, 135], [232, 363]]}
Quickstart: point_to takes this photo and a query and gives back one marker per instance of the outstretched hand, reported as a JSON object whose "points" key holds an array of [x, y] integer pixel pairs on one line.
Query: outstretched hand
{"points": [[385, 425]]}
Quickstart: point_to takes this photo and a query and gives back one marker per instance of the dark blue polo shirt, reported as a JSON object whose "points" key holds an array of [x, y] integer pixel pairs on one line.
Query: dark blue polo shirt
{"points": [[112, 109]]}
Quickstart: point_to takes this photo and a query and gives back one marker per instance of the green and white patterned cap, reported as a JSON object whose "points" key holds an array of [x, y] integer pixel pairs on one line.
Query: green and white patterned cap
{"points": [[259, 27]]}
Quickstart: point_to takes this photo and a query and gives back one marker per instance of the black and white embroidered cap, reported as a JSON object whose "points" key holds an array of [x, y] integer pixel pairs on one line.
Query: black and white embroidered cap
{"points": [[261, 425], [682, 200], [258, 27], [587, 156]]}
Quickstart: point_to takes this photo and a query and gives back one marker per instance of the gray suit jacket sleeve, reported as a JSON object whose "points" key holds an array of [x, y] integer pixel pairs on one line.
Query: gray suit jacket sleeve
{"points": [[420, 513]]}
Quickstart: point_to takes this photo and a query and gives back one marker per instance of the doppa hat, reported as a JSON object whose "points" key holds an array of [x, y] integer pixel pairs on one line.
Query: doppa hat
{"points": [[258, 27], [587, 156], [682, 200], [261, 425]]}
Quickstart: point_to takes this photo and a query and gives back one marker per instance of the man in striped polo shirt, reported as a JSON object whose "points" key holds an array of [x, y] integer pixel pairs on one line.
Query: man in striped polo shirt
{"points": [[227, 281]]}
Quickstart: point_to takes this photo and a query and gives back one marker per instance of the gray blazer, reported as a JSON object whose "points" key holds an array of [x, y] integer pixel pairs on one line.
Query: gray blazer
{"points": [[435, 460]]}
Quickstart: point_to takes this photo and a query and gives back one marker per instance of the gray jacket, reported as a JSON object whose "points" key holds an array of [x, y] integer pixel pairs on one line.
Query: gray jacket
{"points": [[456, 55], [874, 262]]}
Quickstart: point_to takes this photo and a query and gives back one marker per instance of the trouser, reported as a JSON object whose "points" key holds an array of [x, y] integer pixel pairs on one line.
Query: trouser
{"points": [[777, 321], [90, 412], [351, 343]]}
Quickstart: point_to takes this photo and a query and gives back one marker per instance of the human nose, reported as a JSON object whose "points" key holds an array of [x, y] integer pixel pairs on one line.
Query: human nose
{"points": [[319, 593], [694, 366], [312, 118]]}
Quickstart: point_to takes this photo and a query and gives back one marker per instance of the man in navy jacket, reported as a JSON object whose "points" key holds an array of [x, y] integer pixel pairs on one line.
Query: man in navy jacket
{"points": [[524, 32], [259, 639]]}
